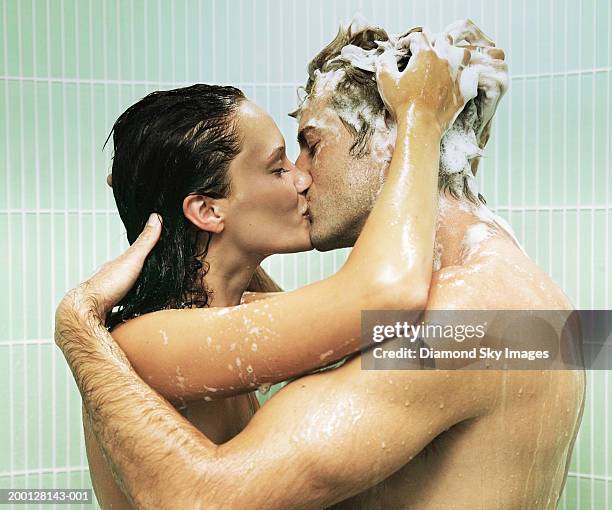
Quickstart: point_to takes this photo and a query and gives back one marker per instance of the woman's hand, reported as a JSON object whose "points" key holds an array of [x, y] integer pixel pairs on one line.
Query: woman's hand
{"points": [[434, 80]]}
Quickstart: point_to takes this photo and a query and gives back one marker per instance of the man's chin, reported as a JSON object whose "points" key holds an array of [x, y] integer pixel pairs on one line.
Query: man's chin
{"points": [[328, 241]]}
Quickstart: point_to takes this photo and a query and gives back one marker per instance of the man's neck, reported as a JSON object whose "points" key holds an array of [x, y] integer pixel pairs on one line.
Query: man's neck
{"points": [[455, 218]]}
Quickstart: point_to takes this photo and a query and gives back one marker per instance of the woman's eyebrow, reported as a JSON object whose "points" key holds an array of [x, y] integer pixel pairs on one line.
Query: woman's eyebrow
{"points": [[276, 154]]}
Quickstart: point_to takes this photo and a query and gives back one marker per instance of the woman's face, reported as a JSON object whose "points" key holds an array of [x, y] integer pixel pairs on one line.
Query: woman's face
{"points": [[266, 211]]}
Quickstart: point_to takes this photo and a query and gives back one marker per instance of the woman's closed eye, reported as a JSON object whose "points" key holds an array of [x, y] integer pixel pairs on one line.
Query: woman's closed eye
{"points": [[280, 171]]}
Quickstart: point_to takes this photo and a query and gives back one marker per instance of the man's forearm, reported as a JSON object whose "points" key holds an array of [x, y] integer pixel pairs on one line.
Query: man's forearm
{"points": [[154, 453]]}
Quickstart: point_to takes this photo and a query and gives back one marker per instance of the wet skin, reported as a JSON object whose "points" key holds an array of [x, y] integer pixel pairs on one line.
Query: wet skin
{"points": [[448, 440], [389, 247], [510, 452]]}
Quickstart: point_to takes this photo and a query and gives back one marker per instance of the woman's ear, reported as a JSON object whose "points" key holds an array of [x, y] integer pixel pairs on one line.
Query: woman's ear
{"points": [[205, 213]]}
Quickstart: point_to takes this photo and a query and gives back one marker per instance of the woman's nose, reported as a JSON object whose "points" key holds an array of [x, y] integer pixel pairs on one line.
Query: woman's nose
{"points": [[302, 179]]}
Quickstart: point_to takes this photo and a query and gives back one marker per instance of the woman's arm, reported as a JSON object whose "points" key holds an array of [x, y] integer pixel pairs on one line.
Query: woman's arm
{"points": [[216, 352]]}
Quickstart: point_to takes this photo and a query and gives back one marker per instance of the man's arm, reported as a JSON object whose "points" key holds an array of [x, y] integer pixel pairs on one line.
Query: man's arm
{"points": [[294, 453]]}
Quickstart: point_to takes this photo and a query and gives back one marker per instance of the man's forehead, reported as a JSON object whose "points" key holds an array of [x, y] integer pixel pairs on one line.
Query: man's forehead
{"points": [[314, 110]]}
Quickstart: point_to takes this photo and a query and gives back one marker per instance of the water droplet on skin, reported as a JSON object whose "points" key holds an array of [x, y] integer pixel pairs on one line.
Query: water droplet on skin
{"points": [[441, 405], [264, 388], [249, 369], [231, 367], [208, 399], [238, 362], [232, 347], [383, 445], [164, 336], [254, 347], [407, 403], [326, 354]]}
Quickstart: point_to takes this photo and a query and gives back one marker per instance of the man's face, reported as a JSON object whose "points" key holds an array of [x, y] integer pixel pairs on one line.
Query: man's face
{"points": [[343, 188]]}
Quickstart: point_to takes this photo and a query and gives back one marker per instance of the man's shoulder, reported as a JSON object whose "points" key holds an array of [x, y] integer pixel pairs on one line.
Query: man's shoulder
{"points": [[469, 286], [492, 281]]}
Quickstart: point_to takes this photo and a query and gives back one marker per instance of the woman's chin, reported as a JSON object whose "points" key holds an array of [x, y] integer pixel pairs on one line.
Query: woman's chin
{"points": [[298, 246], [302, 246]]}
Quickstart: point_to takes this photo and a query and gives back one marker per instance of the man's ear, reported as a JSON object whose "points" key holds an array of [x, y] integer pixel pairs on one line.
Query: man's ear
{"points": [[205, 213], [391, 125]]}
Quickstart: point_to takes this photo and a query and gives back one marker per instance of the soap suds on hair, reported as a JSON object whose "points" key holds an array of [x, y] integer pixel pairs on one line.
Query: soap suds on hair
{"points": [[459, 145]]}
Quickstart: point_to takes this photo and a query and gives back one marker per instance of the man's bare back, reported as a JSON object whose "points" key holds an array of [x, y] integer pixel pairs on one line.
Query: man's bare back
{"points": [[514, 454]]}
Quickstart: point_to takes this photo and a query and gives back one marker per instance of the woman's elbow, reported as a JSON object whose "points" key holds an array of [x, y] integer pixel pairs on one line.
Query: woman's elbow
{"points": [[405, 298], [401, 291]]}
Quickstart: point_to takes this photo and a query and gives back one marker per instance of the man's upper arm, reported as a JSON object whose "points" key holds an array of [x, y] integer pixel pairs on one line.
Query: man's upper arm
{"points": [[328, 436]]}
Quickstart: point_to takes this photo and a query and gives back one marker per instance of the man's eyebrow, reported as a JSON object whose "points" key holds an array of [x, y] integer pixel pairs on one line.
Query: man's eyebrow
{"points": [[301, 137]]}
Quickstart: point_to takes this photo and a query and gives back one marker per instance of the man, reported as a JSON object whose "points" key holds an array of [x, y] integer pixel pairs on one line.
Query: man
{"points": [[349, 437]]}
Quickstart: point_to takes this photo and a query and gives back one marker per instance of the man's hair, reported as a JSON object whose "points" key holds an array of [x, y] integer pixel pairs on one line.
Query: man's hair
{"points": [[358, 104]]}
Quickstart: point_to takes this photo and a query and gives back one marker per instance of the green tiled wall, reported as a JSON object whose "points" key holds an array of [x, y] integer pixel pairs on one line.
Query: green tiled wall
{"points": [[68, 68]]}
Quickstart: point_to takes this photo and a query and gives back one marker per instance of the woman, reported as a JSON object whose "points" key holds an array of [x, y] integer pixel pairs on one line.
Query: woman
{"points": [[213, 165]]}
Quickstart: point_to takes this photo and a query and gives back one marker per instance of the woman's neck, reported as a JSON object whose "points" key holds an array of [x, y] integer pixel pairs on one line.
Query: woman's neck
{"points": [[229, 273]]}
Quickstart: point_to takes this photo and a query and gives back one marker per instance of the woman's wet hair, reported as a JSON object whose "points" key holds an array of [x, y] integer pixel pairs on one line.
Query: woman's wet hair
{"points": [[169, 145]]}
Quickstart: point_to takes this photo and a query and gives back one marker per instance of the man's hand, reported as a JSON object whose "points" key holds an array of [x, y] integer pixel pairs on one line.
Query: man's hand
{"points": [[95, 297]]}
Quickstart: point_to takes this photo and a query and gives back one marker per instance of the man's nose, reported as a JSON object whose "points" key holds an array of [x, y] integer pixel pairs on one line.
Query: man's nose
{"points": [[302, 179]]}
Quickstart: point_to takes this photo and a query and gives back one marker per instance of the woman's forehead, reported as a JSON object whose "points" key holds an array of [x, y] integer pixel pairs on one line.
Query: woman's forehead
{"points": [[259, 132]]}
